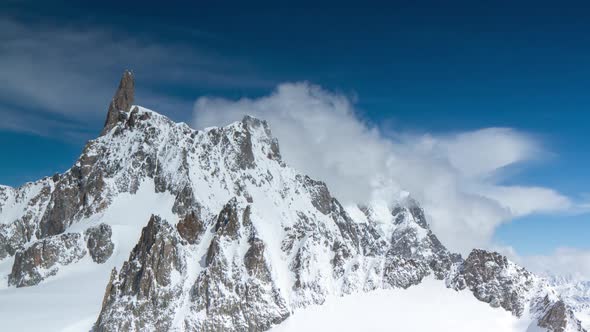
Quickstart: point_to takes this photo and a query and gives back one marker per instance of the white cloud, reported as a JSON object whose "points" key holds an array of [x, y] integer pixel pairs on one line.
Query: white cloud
{"points": [[454, 176], [503, 147], [566, 262]]}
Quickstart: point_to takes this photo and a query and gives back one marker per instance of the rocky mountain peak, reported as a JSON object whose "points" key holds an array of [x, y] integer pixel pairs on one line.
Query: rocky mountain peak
{"points": [[121, 102], [244, 240]]}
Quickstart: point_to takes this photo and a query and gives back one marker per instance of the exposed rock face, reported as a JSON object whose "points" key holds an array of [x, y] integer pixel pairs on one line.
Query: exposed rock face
{"points": [[235, 292], [254, 260], [142, 296], [495, 280], [320, 196], [121, 102], [575, 293], [253, 125], [44, 257], [76, 194], [190, 228], [555, 317], [235, 286], [98, 242], [416, 248]]}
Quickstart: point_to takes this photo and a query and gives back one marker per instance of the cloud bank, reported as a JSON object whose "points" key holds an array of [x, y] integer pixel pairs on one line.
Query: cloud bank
{"points": [[570, 262], [454, 176]]}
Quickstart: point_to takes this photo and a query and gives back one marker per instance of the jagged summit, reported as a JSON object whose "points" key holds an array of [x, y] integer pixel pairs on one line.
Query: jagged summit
{"points": [[121, 102], [211, 231]]}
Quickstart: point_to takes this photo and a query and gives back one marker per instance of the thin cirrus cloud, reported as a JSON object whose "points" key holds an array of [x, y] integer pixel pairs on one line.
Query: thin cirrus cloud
{"points": [[454, 176], [72, 72]]}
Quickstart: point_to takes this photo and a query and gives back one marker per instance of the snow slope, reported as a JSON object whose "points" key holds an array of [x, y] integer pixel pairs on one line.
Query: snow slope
{"points": [[429, 306]]}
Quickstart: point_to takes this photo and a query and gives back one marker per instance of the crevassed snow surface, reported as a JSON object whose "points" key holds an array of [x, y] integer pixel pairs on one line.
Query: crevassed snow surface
{"points": [[71, 300], [429, 306]]}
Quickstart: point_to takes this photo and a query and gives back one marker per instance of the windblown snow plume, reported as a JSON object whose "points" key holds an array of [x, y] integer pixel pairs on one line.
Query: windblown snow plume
{"points": [[453, 176]]}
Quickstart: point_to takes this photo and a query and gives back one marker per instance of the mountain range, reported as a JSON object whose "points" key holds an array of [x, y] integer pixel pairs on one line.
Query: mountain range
{"points": [[160, 227]]}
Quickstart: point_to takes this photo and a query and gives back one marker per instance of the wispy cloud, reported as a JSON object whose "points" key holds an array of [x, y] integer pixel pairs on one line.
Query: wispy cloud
{"points": [[563, 261], [73, 71], [43, 124], [455, 176]]}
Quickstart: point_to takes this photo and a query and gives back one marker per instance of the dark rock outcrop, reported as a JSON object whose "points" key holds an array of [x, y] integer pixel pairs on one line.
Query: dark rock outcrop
{"points": [[98, 242], [228, 222], [77, 193], [556, 316], [190, 227], [142, 295], [494, 279], [320, 195], [44, 257], [236, 292], [121, 103], [414, 251], [254, 260]]}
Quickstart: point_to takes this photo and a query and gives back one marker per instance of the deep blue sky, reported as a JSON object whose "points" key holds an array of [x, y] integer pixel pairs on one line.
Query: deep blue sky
{"points": [[420, 66]]}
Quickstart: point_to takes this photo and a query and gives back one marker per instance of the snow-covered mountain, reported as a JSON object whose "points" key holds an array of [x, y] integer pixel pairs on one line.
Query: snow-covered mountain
{"points": [[575, 292], [175, 229]]}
